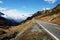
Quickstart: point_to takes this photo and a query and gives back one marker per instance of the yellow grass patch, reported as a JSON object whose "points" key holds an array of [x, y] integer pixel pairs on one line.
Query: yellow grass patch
{"points": [[18, 28]]}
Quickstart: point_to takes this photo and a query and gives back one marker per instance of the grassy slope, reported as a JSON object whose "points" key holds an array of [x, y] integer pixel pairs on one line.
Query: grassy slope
{"points": [[34, 35], [18, 28], [48, 18]]}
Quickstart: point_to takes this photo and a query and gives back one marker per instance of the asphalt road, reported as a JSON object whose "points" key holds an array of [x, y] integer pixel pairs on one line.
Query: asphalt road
{"points": [[52, 29], [34, 28]]}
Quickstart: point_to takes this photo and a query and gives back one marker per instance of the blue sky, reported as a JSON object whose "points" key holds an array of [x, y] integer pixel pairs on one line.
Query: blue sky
{"points": [[11, 7]]}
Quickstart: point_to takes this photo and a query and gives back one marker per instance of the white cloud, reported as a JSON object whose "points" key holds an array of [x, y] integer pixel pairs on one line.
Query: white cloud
{"points": [[45, 8], [50, 1], [1, 2], [16, 14]]}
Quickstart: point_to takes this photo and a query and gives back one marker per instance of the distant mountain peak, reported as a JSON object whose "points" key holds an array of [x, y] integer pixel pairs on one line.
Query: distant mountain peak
{"points": [[57, 7], [58, 4], [1, 13]]}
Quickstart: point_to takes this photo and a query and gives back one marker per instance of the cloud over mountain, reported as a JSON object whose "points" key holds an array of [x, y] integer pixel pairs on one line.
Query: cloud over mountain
{"points": [[16, 14]]}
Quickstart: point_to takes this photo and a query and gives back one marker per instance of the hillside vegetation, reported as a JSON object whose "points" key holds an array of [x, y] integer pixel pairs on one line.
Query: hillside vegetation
{"points": [[10, 32], [51, 16]]}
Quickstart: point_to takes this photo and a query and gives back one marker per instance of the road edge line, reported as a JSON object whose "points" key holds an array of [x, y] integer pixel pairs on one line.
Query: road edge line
{"points": [[48, 31]]}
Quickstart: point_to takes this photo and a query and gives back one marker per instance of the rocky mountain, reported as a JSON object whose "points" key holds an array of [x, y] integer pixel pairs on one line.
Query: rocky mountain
{"points": [[55, 10], [1, 14], [4, 22], [44, 13]]}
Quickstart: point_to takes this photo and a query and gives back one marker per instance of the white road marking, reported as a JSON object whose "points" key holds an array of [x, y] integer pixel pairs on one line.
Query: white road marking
{"points": [[48, 31]]}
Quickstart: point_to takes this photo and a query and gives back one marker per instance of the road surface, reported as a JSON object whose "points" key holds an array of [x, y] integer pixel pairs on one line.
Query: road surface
{"points": [[52, 29], [33, 29]]}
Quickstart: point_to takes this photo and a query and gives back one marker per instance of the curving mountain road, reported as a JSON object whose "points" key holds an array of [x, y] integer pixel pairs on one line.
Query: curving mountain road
{"points": [[52, 29]]}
